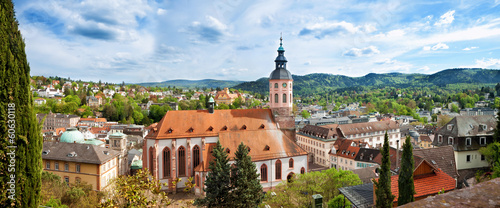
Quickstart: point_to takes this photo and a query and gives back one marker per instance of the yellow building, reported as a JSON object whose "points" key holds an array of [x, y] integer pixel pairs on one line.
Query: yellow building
{"points": [[75, 162], [224, 96], [426, 141]]}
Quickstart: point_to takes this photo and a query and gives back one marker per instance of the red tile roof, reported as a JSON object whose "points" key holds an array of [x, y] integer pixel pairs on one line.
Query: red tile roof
{"points": [[177, 124], [426, 185], [279, 144]]}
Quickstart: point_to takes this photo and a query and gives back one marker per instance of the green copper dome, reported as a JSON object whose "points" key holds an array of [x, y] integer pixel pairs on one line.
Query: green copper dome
{"points": [[94, 142], [72, 135]]}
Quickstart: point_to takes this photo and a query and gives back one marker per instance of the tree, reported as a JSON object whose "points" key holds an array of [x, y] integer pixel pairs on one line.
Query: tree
{"points": [[298, 192], [443, 120], [496, 135], [218, 180], [247, 191], [492, 155], [405, 182], [305, 114], [21, 184], [339, 201], [139, 190], [383, 185]]}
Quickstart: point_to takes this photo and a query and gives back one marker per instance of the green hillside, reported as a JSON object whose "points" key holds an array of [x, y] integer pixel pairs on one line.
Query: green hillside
{"points": [[318, 83]]}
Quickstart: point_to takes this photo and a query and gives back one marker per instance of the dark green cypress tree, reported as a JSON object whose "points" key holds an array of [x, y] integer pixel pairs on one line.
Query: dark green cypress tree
{"points": [[247, 191], [405, 182], [18, 123], [496, 135], [383, 185], [218, 181]]}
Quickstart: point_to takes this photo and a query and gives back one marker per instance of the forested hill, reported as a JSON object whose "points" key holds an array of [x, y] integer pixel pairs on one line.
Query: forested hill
{"points": [[182, 83], [317, 83]]}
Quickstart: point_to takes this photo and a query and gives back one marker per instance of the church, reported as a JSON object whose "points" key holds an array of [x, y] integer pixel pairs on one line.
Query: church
{"points": [[181, 145]]}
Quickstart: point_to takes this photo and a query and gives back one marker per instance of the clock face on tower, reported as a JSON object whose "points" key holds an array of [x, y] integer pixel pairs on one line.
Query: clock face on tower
{"points": [[284, 84]]}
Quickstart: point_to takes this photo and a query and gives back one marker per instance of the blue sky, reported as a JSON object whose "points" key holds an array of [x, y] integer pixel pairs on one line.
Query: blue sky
{"points": [[152, 41]]}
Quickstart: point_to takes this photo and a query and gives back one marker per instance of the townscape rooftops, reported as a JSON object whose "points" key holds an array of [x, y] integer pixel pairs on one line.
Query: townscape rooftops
{"points": [[485, 194], [359, 128], [441, 157], [74, 152]]}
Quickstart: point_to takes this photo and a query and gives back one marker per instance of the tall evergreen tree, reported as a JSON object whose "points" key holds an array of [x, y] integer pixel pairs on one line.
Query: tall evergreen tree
{"points": [[247, 191], [405, 182], [21, 166], [218, 180], [496, 135], [383, 185]]}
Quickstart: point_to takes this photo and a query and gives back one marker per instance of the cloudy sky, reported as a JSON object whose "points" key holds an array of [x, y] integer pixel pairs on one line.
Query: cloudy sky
{"points": [[146, 40]]}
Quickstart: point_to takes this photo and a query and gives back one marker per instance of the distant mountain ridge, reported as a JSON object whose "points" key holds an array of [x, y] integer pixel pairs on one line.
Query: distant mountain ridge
{"points": [[183, 83], [317, 82]]}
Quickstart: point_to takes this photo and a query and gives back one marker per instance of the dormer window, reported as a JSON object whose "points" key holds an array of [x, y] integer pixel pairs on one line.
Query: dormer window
{"points": [[170, 130], [353, 153], [244, 127], [249, 149], [224, 128], [228, 150], [468, 141], [262, 126], [210, 128], [449, 127], [190, 129], [266, 148], [482, 141], [484, 127]]}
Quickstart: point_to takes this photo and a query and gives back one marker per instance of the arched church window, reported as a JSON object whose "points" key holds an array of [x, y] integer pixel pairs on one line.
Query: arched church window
{"points": [[275, 98], [284, 98], [275, 85], [166, 162], [182, 161]]}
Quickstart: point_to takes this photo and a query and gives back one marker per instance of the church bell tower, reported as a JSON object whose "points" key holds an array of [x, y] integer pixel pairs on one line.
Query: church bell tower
{"points": [[280, 86]]}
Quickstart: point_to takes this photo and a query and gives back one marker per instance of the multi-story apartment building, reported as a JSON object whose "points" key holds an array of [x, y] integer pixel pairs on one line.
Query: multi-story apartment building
{"points": [[56, 120], [467, 134], [75, 162], [372, 132], [317, 141], [349, 154]]}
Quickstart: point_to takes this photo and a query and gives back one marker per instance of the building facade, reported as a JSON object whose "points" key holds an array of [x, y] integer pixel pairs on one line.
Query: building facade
{"points": [[180, 145], [75, 162], [317, 141], [56, 120], [467, 134], [372, 132]]}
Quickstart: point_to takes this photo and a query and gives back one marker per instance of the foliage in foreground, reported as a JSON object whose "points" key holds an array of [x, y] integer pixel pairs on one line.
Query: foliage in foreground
{"points": [[139, 190], [298, 192], [492, 154], [56, 193], [339, 201]]}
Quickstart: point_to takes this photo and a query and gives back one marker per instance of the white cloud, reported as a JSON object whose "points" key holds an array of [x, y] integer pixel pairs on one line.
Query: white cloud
{"points": [[488, 63], [425, 68], [357, 52], [320, 30], [386, 61], [211, 30], [161, 11], [469, 48], [446, 19], [436, 47]]}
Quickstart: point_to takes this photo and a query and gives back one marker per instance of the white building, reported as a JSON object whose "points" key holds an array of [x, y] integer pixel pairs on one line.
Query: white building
{"points": [[372, 132]]}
